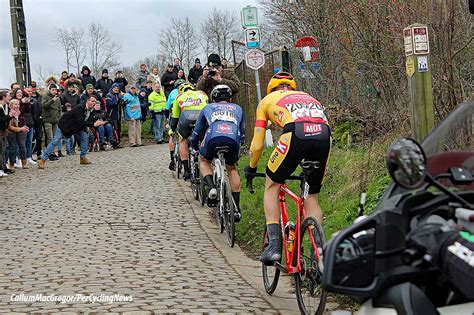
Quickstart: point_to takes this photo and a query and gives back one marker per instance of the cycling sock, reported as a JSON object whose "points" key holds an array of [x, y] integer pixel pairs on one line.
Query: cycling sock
{"points": [[236, 196], [186, 165], [208, 181], [172, 155]]}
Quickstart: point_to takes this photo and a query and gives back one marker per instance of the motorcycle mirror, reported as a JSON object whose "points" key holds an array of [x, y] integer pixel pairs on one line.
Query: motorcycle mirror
{"points": [[406, 163]]}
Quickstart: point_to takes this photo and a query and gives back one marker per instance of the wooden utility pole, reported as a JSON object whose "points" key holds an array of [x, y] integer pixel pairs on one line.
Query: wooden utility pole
{"points": [[418, 70], [20, 45]]}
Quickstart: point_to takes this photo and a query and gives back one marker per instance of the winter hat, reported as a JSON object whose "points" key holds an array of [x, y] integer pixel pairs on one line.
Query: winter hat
{"points": [[64, 72], [52, 86], [143, 90], [132, 86], [214, 60], [85, 68], [105, 71], [197, 60], [89, 86]]}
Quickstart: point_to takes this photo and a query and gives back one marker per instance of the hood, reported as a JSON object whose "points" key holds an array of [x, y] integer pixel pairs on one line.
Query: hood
{"points": [[85, 68], [115, 85]]}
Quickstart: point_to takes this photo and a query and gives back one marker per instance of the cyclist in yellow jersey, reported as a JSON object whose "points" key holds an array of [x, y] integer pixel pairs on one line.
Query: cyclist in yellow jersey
{"points": [[305, 136], [186, 108]]}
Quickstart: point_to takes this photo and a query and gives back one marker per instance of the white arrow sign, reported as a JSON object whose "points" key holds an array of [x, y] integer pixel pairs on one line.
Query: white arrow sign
{"points": [[255, 59], [252, 37]]}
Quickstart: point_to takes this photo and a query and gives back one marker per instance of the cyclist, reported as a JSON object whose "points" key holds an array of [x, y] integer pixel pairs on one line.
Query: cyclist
{"points": [[223, 126], [305, 135], [169, 104], [186, 109]]}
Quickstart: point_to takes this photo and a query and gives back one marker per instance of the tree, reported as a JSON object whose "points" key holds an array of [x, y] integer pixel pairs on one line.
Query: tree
{"points": [[218, 31], [103, 50], [78, 48], [63, 37]]}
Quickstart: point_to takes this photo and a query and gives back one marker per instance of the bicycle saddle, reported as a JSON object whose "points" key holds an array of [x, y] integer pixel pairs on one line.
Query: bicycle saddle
{"points": [[310, 165]]}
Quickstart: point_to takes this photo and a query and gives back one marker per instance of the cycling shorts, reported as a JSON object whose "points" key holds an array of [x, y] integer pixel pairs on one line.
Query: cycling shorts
{"points": [[212, 146], [186, 122], [299, 141]]}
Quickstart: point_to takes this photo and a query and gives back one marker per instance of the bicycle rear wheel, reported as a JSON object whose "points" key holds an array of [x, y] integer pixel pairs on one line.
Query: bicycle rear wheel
{"points": [[309, 293], [270, 274], [229, 212]]}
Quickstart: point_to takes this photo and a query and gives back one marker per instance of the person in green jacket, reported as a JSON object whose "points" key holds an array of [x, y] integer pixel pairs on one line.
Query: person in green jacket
{"points": [[51, 107], [157, 101]]}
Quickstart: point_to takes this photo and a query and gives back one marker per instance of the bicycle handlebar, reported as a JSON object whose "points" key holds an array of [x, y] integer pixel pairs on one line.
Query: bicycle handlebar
{"points": [[250, 180]]}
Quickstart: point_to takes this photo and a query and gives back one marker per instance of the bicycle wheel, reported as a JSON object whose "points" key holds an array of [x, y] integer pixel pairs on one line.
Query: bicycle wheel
{"points": [[195, 179], [178, 168], [309, 293], [229, 211], [270, 274], [202, 192]]}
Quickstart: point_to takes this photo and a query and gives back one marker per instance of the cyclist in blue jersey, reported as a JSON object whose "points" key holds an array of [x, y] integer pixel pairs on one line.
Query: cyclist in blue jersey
{"points": [[222, 125], [169, 104]]}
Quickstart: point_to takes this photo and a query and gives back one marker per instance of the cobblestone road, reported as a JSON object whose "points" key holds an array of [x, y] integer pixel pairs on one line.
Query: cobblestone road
{"points": [[118, 226]]}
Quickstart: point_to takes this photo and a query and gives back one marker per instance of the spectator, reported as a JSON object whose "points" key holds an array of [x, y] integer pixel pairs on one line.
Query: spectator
{"points": [[26, 112], [3, 131], [133, 116], [149, 90], [64, 78], [71, 96], [104, 84], [195, 72], [14, 86], [86, 77], [114, 109], [69, 142], [77, 121], [217, 75], [143, 104], [154, 76], [177, 65], [142, 75], [224, 63], [181, 75], [121, 81], [99, 114], [157, 101], [167, 79], [89, 92], [16, 134], [205, 73], [73, 80], [51, 108], [51, 80], [37, 118]]}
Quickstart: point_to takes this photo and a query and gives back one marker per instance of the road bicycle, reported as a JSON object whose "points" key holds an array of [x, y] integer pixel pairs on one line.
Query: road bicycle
{"points": [[195, 174], [225, 209], [302, 246]]}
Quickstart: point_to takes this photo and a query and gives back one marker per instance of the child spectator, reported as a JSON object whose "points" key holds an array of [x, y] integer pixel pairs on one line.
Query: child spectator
{"points": [[17, 130], [143, 104]]}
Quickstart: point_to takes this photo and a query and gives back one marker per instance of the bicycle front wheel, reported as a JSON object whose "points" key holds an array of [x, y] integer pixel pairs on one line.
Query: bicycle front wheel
{"points": [[270, 274], [309, 293], [229, 212]]}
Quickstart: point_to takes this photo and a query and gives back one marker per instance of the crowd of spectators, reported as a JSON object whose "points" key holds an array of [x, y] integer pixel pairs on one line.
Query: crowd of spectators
{"points": [[48, 123]]}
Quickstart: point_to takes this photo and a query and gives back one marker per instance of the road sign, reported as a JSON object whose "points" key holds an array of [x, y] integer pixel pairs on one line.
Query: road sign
{"points": [[422, 64], [410, 67], [255, 59], [252, 37], [420, 40], [310, 48], [408, 41], [249, 17]]}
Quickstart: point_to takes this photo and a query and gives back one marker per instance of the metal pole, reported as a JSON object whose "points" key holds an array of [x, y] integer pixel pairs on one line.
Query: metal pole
{"points": [[257, 84]]}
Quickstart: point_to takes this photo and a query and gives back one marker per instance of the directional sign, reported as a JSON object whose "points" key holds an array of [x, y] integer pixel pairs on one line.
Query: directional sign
{"points": [[249, 17], [420, 40], [252, 37], [255, 59], [407, 39]]}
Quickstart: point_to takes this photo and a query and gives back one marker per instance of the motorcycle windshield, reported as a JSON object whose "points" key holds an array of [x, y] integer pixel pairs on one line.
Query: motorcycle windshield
{"points": [[450, 144]]}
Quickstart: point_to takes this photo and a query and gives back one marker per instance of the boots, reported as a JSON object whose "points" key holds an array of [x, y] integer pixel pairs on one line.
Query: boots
{"points": [[41, 164], [85, 161], [60, 154], [272, 252], [24, 164]]}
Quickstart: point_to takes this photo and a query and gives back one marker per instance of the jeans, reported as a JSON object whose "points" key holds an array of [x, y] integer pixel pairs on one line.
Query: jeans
{"points": [[159, 126], [50, 130], [69, 144], [110, 133], [83, 136], [15, 139], [3, 142], [29, 142], [38, 135]]}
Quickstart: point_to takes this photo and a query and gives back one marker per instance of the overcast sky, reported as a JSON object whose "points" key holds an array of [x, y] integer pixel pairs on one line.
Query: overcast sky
{"points": [[133, 23]]}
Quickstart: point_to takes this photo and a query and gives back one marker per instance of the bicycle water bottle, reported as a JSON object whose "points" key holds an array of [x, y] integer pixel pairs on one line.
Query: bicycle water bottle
{"points": [[291, 236]]}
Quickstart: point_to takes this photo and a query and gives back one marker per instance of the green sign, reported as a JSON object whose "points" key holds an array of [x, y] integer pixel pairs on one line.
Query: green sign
{"points": [[249, 17]]}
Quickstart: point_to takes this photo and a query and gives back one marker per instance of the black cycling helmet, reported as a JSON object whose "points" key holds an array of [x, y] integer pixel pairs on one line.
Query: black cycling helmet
{"points": [[221, 92], [178, 82]]}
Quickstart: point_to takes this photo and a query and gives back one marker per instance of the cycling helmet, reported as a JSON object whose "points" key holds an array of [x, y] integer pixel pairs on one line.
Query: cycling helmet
{"points": [[281, 78], [221, 92], [178, 82], [185, 87]]}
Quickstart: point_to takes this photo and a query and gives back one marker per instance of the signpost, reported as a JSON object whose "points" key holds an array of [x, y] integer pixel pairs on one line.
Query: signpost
{"points": [[252, 37], [418, 71], [255, 59], [249, 17], [310, 48]]}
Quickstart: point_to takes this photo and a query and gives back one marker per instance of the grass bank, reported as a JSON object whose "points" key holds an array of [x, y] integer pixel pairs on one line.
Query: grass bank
{"points": [[350, 171]]}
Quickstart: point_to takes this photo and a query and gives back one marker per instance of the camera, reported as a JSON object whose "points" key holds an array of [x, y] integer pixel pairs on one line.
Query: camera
{"points": [[212, 72]]}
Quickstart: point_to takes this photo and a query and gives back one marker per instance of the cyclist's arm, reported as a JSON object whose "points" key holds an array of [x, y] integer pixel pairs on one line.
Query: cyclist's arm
{"points": [[242, 129], [256, 147], [199, 129], [175, 115]]}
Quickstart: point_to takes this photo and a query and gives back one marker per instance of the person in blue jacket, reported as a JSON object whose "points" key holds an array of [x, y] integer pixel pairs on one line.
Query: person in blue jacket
{"points": [[133, 116], [222, 125], [169, 104]]}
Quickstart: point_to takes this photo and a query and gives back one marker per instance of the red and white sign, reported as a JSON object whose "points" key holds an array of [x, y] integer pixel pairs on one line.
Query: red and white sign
{"points": [[310, 48], [420, 40], [407, 39], [224, 128], [255, 59]]}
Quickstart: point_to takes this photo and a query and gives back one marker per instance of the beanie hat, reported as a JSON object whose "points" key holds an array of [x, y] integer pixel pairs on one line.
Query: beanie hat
{"points": [[105, 71], [214, 60], [197, 60], [89, 86], [52, 86]]}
